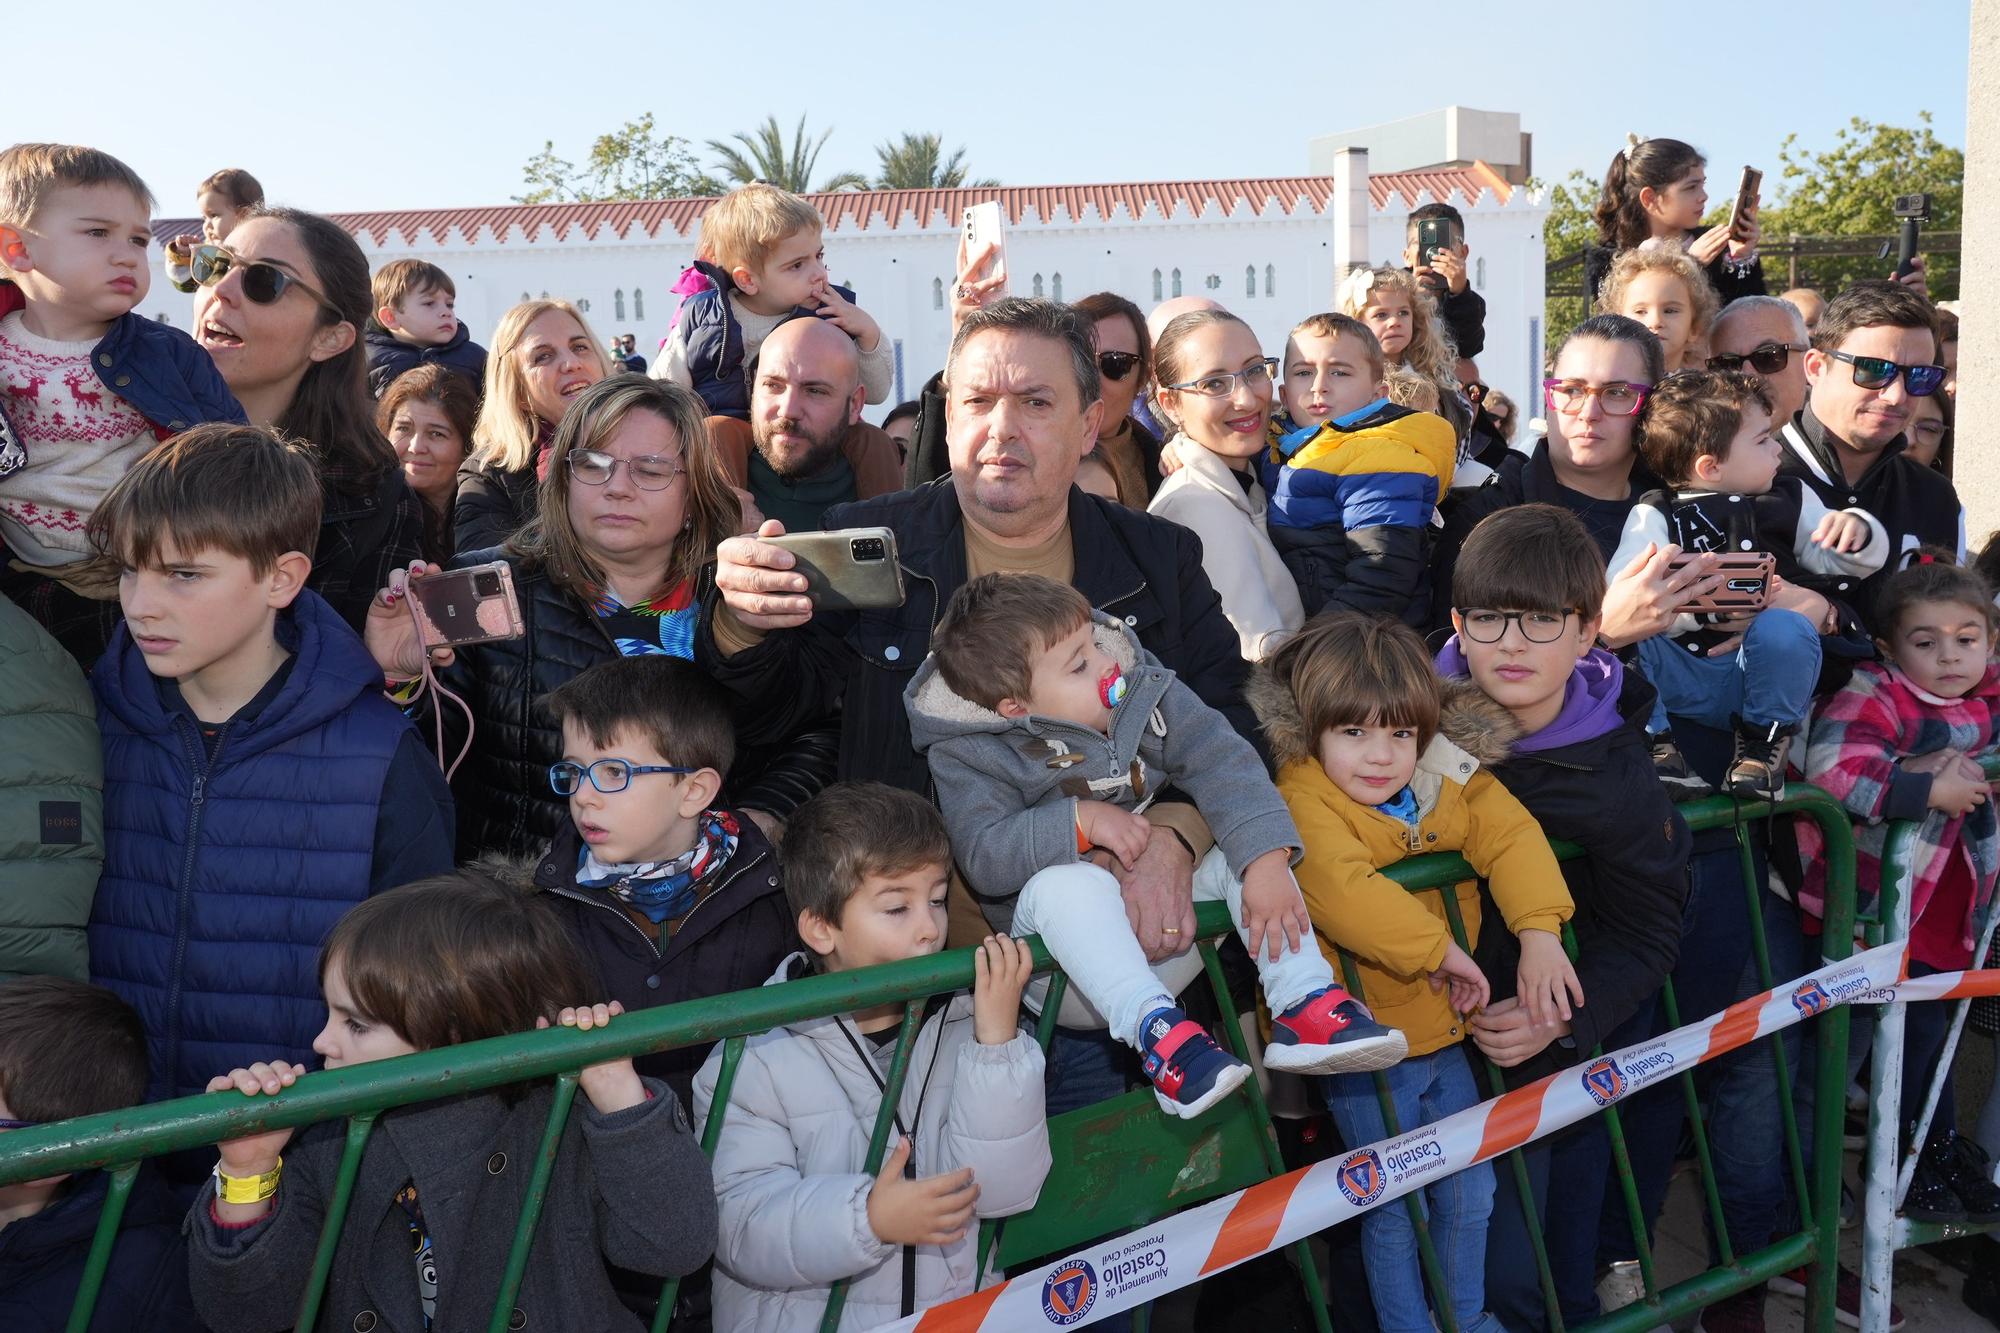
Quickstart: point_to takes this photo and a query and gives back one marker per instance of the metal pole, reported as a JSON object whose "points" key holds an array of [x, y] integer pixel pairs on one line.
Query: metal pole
{"points": [[1885, 1100]]}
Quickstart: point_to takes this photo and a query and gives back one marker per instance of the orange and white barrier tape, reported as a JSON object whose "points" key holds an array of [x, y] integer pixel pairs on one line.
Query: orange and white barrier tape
{"points": [[1142, 1265]]}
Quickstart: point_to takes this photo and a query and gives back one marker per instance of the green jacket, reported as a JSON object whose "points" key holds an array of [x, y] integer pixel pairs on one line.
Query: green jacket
{"points": [[51, 803]]}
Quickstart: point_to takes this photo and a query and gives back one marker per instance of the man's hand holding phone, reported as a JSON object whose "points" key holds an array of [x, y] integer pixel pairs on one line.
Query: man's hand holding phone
{"points": [[757, 581]]}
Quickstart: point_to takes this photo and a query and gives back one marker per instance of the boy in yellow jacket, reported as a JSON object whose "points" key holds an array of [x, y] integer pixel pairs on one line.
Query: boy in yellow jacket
{"points": [[1377, 764]]}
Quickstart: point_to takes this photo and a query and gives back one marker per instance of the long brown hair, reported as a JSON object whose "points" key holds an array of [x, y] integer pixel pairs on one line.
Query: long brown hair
{"points": [[1654, 164], [332, 408], [713, 512]]}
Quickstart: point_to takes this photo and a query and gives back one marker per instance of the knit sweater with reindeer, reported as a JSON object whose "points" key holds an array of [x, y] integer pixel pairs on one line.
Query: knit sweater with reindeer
{"points": [[1008, 787], [80, 437]]}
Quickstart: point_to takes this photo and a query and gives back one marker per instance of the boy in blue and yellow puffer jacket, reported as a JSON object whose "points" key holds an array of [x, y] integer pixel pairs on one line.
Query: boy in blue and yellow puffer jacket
{"points": [[1354, 479]]}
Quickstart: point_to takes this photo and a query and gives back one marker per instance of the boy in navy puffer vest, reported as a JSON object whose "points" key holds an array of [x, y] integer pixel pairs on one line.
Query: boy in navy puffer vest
{"points": [[257, 784], [758, 264]]}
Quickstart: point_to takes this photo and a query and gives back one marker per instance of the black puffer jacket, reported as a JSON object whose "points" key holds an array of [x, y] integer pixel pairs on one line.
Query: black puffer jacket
{"points": [[504, 801], [733, 940], [367, 528], [1144, 570], [492, 504]]}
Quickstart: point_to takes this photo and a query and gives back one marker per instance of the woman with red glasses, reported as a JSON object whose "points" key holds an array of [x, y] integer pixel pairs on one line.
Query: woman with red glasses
{"points": [[1124, 362], [281, 310]]}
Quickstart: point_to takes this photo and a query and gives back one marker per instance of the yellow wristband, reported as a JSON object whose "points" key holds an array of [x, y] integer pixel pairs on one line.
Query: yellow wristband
{"points": [[247, 1189]]}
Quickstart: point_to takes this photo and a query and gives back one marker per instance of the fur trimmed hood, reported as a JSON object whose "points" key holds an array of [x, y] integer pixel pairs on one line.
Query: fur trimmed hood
{"points": [[1469, 720]]}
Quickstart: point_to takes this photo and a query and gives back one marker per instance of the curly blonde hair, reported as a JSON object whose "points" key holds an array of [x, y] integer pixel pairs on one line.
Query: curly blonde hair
{"points": [[1662, 259], [1429, 352]]}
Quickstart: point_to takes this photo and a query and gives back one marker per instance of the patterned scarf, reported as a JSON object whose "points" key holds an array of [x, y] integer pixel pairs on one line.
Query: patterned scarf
{"points": [[664, 890], [662, 627]]}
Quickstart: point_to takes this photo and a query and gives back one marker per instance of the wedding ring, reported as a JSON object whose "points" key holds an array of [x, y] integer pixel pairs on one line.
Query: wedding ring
{"points": [[1170, 930]]}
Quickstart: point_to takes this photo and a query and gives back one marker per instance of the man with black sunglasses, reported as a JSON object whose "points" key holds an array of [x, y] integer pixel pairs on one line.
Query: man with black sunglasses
{"points": [[1873, 354], [1766, 337]]}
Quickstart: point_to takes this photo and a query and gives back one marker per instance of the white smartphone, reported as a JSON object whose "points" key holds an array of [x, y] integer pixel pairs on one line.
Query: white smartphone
{"points": [[986, 224]]}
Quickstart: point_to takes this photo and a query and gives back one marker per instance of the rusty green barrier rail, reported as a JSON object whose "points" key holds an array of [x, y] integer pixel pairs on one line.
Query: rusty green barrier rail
{"points": [[118, 1141]]}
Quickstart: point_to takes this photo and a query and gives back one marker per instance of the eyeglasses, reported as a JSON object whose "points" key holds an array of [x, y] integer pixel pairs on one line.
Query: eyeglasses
{"points": [[609, 776], [1474, 392], [1253, 376], [1116, 365], [1618, 398], [649, 472], [1482, 626], [1765, 359], [263, 283], [18, 1124], [1872, 372]]}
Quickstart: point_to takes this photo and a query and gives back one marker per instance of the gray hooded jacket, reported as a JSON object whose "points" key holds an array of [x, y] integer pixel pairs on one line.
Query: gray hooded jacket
{"points": [[1008, 787]]}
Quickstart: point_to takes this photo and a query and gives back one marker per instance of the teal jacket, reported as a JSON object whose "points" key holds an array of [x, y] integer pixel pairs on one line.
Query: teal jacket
{"points": [[51, 803]]}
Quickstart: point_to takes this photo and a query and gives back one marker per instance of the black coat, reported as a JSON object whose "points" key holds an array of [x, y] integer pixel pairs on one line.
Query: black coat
{"points": [[1630, 886], [1145, 570], [1597, 265], [366, 529], [388, 358], [492, 504], [146, 1286], [733, 940], [504, 800]]}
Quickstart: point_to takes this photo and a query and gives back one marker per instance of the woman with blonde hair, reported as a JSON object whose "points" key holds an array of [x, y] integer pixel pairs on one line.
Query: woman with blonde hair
{"points": [[630, 506], [543, 354], [1404, 318]]}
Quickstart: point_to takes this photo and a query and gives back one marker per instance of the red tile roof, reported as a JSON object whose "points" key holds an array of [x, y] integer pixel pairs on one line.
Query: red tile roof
{"points": [[867, 209]]}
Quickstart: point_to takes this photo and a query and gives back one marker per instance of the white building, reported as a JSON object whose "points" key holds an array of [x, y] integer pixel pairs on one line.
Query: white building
{"points": [[1270, 249]]}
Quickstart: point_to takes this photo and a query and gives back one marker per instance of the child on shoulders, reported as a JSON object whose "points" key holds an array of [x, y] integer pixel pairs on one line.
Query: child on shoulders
{"points": [[760, 262], [1048, 728], [866, 868], [1378, 761]]}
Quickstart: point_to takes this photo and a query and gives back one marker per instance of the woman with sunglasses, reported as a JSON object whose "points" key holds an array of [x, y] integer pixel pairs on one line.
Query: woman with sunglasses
{"points": [[1124, 361], [631, 506], [281, 310], [1215, 388], [1588, 464]]}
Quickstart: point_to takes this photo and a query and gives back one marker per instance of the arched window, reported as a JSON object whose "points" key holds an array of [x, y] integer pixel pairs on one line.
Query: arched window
{"points": [[1159, 293], [638, 304], [1249, 279], [1038, 284], [618, 305], [1177, 282], [545, 294], [937, 293], [526, 297], [1270, 280], [1479, 273], [1055, 286]]}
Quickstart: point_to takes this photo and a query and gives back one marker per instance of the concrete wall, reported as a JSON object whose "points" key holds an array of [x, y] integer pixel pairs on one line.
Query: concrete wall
{"points": [[1978, 422]]}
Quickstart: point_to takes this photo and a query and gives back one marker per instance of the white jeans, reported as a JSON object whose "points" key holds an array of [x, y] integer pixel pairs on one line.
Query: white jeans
{"points": [[1080, 915]]}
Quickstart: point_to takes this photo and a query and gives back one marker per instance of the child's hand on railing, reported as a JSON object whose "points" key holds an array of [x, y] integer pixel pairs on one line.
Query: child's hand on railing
{"points": [[255, 1154], [1000, 971], [932, 1210], [1470, 990], [1274, 912], [613, 1085], [1545, 981]]}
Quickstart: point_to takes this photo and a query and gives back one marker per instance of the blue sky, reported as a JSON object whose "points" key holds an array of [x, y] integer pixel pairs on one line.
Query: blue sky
{"points": [[410, 106]]}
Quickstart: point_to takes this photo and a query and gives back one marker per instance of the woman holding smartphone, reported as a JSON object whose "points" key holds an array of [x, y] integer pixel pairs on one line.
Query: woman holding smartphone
{"points": [[631, 505], [1656, 192]]}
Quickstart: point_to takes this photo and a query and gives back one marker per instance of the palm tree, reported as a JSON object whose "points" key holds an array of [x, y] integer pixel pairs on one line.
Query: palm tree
{"points": [[918, 163], [763, 155]]}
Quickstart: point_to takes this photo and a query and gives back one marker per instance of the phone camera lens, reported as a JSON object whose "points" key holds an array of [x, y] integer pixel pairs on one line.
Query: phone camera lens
{"points": [[866, 548], [486, 583]]}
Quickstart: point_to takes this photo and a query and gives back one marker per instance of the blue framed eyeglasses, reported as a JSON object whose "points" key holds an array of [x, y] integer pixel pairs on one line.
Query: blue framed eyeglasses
{"points": [[609, 776]]}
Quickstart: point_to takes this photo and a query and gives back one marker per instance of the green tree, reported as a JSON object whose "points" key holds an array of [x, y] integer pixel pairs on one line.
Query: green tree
{"points": [[763, 155], [917, 162], [1568, 228], [634, 161]]}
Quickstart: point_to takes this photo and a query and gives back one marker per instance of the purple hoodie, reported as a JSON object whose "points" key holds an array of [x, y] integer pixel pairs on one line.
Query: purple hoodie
{"points": [[1590, 700]]}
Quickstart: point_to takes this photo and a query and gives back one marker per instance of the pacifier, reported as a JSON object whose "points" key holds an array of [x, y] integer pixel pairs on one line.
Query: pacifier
{"points": [[1112, 686]]}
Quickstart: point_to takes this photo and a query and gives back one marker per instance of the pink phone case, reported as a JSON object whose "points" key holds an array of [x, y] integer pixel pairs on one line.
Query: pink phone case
{"points": [[462, 606]]}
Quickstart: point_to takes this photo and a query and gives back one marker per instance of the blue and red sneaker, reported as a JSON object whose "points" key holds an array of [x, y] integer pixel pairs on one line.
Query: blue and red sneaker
{"points": [[1329, 1032], [1190, 1073]]}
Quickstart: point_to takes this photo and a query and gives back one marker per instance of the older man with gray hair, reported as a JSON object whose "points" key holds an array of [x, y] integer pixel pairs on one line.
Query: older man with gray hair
{"points": [[1767, 337]]}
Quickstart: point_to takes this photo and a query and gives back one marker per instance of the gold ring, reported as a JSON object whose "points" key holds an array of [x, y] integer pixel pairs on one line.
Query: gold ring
{"points": [[1170, 930]]}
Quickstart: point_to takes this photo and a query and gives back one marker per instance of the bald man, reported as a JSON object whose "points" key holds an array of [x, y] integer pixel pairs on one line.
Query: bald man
{"points": [[1167, 311], [805, 447]]}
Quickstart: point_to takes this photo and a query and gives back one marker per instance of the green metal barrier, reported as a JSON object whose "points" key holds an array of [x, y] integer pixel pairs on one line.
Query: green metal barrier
{"points": [[118, 1140]]}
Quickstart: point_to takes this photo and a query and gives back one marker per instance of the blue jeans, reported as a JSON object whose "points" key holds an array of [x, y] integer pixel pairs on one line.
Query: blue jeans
{"points": [[1424, 1089], [1769, 679]]}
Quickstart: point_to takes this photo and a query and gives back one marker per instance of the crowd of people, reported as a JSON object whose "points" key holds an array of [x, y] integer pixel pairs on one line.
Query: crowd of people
{"points": [[1177, 620]]}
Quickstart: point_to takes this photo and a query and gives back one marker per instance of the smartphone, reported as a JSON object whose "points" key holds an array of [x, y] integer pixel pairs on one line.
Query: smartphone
{"points": [[985, 223], [1746, 582], [1433, 235], [851, 569], [461, 606], [1747, 190]]}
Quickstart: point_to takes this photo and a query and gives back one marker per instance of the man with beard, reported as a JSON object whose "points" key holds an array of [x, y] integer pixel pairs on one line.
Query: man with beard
{"points": [[805, 447]]}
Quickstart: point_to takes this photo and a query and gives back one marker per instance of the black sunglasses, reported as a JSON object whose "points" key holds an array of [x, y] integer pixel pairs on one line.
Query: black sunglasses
{"points": [[1873, 372], [1116, 365], [262, 283], [1766, 359]]}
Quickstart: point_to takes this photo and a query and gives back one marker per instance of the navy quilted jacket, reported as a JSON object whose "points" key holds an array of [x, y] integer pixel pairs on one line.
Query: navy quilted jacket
{"points": [[714, 342], [222, 876]]}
